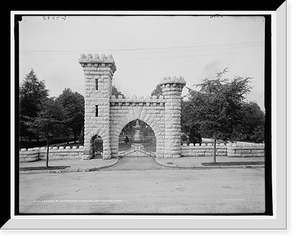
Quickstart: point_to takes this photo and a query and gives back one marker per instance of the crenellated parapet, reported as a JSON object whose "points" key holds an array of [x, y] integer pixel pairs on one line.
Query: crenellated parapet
{"points": [[172, 86], [173, 80], [97, 61], [137, 101]]}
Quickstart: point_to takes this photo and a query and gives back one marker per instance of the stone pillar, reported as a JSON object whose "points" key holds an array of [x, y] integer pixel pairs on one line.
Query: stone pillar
{"points": [[172, 88], [98, 73]]}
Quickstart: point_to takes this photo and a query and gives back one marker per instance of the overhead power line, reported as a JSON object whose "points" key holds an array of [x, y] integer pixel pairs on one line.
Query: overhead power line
{"points": [[147, 53], [153, 57], [148, 49]]}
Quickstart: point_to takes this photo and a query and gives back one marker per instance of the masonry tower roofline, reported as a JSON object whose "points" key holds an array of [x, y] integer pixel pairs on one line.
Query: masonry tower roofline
{"points": [[108, 59], [173, 80]]}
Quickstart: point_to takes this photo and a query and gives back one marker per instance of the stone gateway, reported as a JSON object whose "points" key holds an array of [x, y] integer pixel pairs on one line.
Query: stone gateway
{"points": [[106, 115]]}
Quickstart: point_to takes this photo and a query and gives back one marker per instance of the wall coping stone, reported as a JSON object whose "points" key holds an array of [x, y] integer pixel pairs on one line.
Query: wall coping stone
{"points": [[44, 149]]}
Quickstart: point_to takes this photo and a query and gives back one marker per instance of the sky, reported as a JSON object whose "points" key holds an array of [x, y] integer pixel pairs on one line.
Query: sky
{"points": [[145, 49]]}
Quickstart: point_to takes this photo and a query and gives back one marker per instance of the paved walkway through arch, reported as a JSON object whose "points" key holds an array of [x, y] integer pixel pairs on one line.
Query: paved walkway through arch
{"points": [[138, 163]]}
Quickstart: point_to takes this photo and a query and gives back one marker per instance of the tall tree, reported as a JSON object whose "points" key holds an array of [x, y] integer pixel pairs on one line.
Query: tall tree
{"points": [[216, 106], [31, 95], [73, 104], [49, 122]]}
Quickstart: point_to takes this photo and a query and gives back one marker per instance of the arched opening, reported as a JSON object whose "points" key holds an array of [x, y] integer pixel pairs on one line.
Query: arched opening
{"points": [[97, 146], [137, 138]]}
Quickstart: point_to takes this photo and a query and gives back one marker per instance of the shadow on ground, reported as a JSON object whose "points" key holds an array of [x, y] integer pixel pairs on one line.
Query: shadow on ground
{"points": [[43, 168]]}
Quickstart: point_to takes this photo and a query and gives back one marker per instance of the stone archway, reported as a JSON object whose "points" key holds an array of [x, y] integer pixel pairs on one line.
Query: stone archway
{"points": [[88, 153], [106, 114], [97, 143], [153, 116], [137, 139], [158, 135]]}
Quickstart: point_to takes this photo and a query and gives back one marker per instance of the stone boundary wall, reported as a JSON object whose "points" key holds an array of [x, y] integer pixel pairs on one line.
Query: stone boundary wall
{"points": [[55, 153], [205, 149], [230, 150], [246, 150], [191, 150], [29, 155]]}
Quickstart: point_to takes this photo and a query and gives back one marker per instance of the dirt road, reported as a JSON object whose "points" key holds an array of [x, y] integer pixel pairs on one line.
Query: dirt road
{"points": [[134, 164], [140, 186]]}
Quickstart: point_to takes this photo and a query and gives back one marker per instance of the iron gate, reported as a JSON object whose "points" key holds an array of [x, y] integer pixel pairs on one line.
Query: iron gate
{"points": [[137, 150]]}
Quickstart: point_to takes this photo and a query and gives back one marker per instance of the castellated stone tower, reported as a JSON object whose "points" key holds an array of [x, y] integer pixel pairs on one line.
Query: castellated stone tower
{"points": [[106, 115], [172, 88], [98, 73]]}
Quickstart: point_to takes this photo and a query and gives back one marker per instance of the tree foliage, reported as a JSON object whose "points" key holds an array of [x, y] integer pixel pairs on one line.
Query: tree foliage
{"points": [[253, 120], [216, 107], [50, 121], [31, 95], [73, 106], [116, 92], [157, 91]]}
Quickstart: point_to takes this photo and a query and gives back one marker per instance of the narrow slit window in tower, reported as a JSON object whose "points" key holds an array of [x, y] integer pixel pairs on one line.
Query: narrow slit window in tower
{"points": [[96, 110], [96, 83]]}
